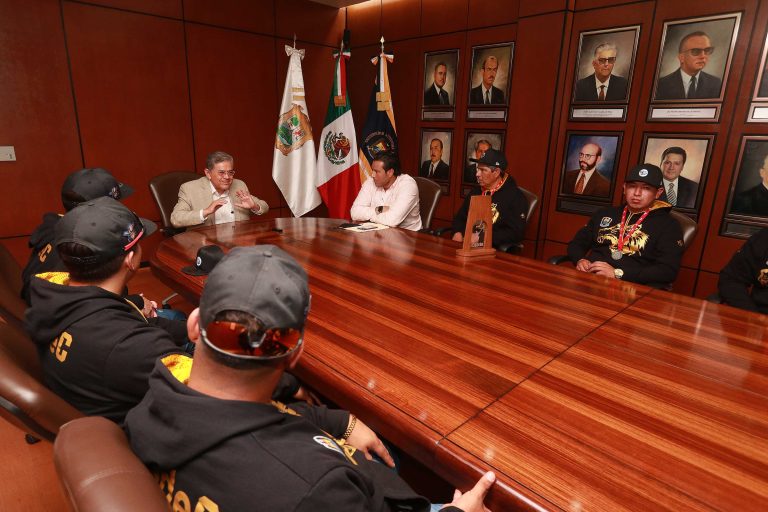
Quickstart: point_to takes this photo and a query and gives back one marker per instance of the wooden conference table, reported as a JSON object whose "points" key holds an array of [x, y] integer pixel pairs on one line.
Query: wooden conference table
{"points": [[582, 393]]}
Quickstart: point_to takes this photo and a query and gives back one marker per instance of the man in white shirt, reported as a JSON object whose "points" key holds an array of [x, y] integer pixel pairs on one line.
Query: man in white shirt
{"points": [[388, 197], [217, 197]]}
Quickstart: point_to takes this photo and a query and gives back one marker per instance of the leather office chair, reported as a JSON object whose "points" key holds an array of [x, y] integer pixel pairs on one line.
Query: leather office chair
{"points": [[513, 248], [12, 307], [24, 401], [429, 196], [99, 471], [165, 191]]}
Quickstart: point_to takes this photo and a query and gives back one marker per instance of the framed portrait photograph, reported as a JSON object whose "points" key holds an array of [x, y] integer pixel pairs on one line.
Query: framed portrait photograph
{"points": [[604, 65], [747, 208], [440, 71], [761, 86], [695, 58], [684, 162], [475, 146], [436, 154], [588, 175], [491, 75]]}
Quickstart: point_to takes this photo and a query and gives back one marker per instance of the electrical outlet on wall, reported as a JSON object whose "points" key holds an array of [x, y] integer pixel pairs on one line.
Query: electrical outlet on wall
{"points": [[7, 154]]}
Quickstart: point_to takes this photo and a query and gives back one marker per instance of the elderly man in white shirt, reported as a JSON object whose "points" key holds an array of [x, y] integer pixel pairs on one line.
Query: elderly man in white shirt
{"points": [[389, 197], [217, 197]]}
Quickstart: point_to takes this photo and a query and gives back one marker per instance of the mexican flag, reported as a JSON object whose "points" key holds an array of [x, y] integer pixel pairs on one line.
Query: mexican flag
{"points": [[338, 174], [293, 165]]}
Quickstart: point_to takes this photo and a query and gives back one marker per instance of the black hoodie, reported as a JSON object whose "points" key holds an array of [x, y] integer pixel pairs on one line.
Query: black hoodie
{"points": [[256, 456], [44, 257], [96, 348], [652, 255]]}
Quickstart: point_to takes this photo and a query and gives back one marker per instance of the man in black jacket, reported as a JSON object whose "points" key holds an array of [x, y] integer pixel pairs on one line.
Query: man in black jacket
{"points": [[508, 204], [260, 454], [638, 242], [743, 281], [690, 81]]}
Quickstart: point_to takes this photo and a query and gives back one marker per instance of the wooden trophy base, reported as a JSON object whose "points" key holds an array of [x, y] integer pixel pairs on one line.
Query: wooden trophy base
{"points": [[473, 254]]}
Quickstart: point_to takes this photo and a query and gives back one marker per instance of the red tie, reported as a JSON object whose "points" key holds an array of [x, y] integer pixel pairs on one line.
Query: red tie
{"points": [[580, 184], [601, 96]]}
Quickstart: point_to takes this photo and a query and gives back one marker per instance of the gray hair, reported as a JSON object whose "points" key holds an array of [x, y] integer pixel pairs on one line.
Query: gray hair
{"points": [[217, 157], [606, 46]]}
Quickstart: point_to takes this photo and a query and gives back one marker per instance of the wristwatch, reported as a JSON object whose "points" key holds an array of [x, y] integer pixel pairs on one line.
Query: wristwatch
{"points": [[379, 209], [618, 273]]}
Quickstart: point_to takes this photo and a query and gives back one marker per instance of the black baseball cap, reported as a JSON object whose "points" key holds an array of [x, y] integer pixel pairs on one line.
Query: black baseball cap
{"points": [[88, 184], [492, 158], [208, 256], [105, 226], [646, 173], [263, 282]]}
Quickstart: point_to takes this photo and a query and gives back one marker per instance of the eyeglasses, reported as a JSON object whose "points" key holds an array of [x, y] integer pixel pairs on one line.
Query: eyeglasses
{"points": [[606, 60], [234, 339], [586, 156], [698, 51], [225, 173]]}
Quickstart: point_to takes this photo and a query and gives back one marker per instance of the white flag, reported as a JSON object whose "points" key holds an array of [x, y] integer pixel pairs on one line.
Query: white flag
{"points": [[293, 166]]}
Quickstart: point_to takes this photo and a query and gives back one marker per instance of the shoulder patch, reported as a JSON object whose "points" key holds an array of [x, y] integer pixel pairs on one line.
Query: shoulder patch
{"points": [[327, 442], [605, 222]]}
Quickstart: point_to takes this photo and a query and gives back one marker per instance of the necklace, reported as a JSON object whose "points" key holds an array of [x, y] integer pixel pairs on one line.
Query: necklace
{"points": [[496, 187], [617, 254]]}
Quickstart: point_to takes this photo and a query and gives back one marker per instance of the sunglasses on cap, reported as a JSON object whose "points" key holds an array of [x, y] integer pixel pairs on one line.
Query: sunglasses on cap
{"points": [[234, 339]]}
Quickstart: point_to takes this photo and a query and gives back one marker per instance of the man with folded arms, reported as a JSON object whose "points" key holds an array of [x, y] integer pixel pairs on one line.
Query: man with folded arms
{"points": [[388, 197], [639, 241], [260, 453], [217, 197]]}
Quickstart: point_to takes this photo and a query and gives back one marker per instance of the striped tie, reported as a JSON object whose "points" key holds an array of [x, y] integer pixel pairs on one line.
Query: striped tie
{"points": [[671, 196]]}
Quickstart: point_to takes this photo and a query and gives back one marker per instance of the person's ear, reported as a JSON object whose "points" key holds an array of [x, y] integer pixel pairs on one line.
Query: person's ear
{"points": [[293, 359], [193, 326], [659, 192], [131, 261], [207, 173]]}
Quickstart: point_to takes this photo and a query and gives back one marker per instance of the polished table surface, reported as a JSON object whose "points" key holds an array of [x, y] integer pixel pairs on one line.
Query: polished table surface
{"points": [[582, 393]]}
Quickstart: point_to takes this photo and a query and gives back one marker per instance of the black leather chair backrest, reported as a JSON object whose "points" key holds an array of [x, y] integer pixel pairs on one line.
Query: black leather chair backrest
{"points": [[429, 196], [533, 201], [165, 191], [688, 225], [99, 471], [24, 400]]}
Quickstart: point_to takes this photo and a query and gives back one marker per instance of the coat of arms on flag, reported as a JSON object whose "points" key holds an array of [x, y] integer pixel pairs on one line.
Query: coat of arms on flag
{"points": [[336, 147], [293, 130]]}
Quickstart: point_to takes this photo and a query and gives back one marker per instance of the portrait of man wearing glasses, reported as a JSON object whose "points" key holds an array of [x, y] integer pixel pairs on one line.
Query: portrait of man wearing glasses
{"points": [[602, 85], [217, 197], [690, 81], [586, 180]]}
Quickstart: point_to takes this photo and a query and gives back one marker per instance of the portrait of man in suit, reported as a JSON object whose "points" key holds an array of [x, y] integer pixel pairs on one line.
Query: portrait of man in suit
{"points": [[490, 77], [435, 168], [589, 167], [694, 59], [679, 191], [436, 155], [602, 85], [762, 89], [682, 163], [751, 196], [440, 78]]}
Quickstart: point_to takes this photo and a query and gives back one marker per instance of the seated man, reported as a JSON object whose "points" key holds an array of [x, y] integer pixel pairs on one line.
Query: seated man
{"points": [[639, 242], [508, 204], [743, 281], [260, 454], [96, 347], [388, 197], [217, 197], [79, 186]]}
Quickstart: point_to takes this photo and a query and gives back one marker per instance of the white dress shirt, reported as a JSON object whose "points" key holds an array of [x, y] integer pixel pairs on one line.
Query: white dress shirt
{"points": [[224, 214], [598, 83], [401, 198]]}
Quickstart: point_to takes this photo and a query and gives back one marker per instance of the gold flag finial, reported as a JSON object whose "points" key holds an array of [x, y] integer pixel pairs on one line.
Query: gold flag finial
{"points": [[382, 44]]}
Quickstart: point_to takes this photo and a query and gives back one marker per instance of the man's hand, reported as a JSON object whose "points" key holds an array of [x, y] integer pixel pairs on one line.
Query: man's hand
{"points": [[472, 501], [306, 395], [244, 200], [602, 268], [150, 307], [583, 265], [215, 206], [366, 440], [457, 237]]}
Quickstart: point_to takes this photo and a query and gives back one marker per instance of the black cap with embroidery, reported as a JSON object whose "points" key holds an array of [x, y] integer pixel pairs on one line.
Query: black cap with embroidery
{"points": [[492, 158], [105, 226], [646, 173], [87, 184], [208, 256]]}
